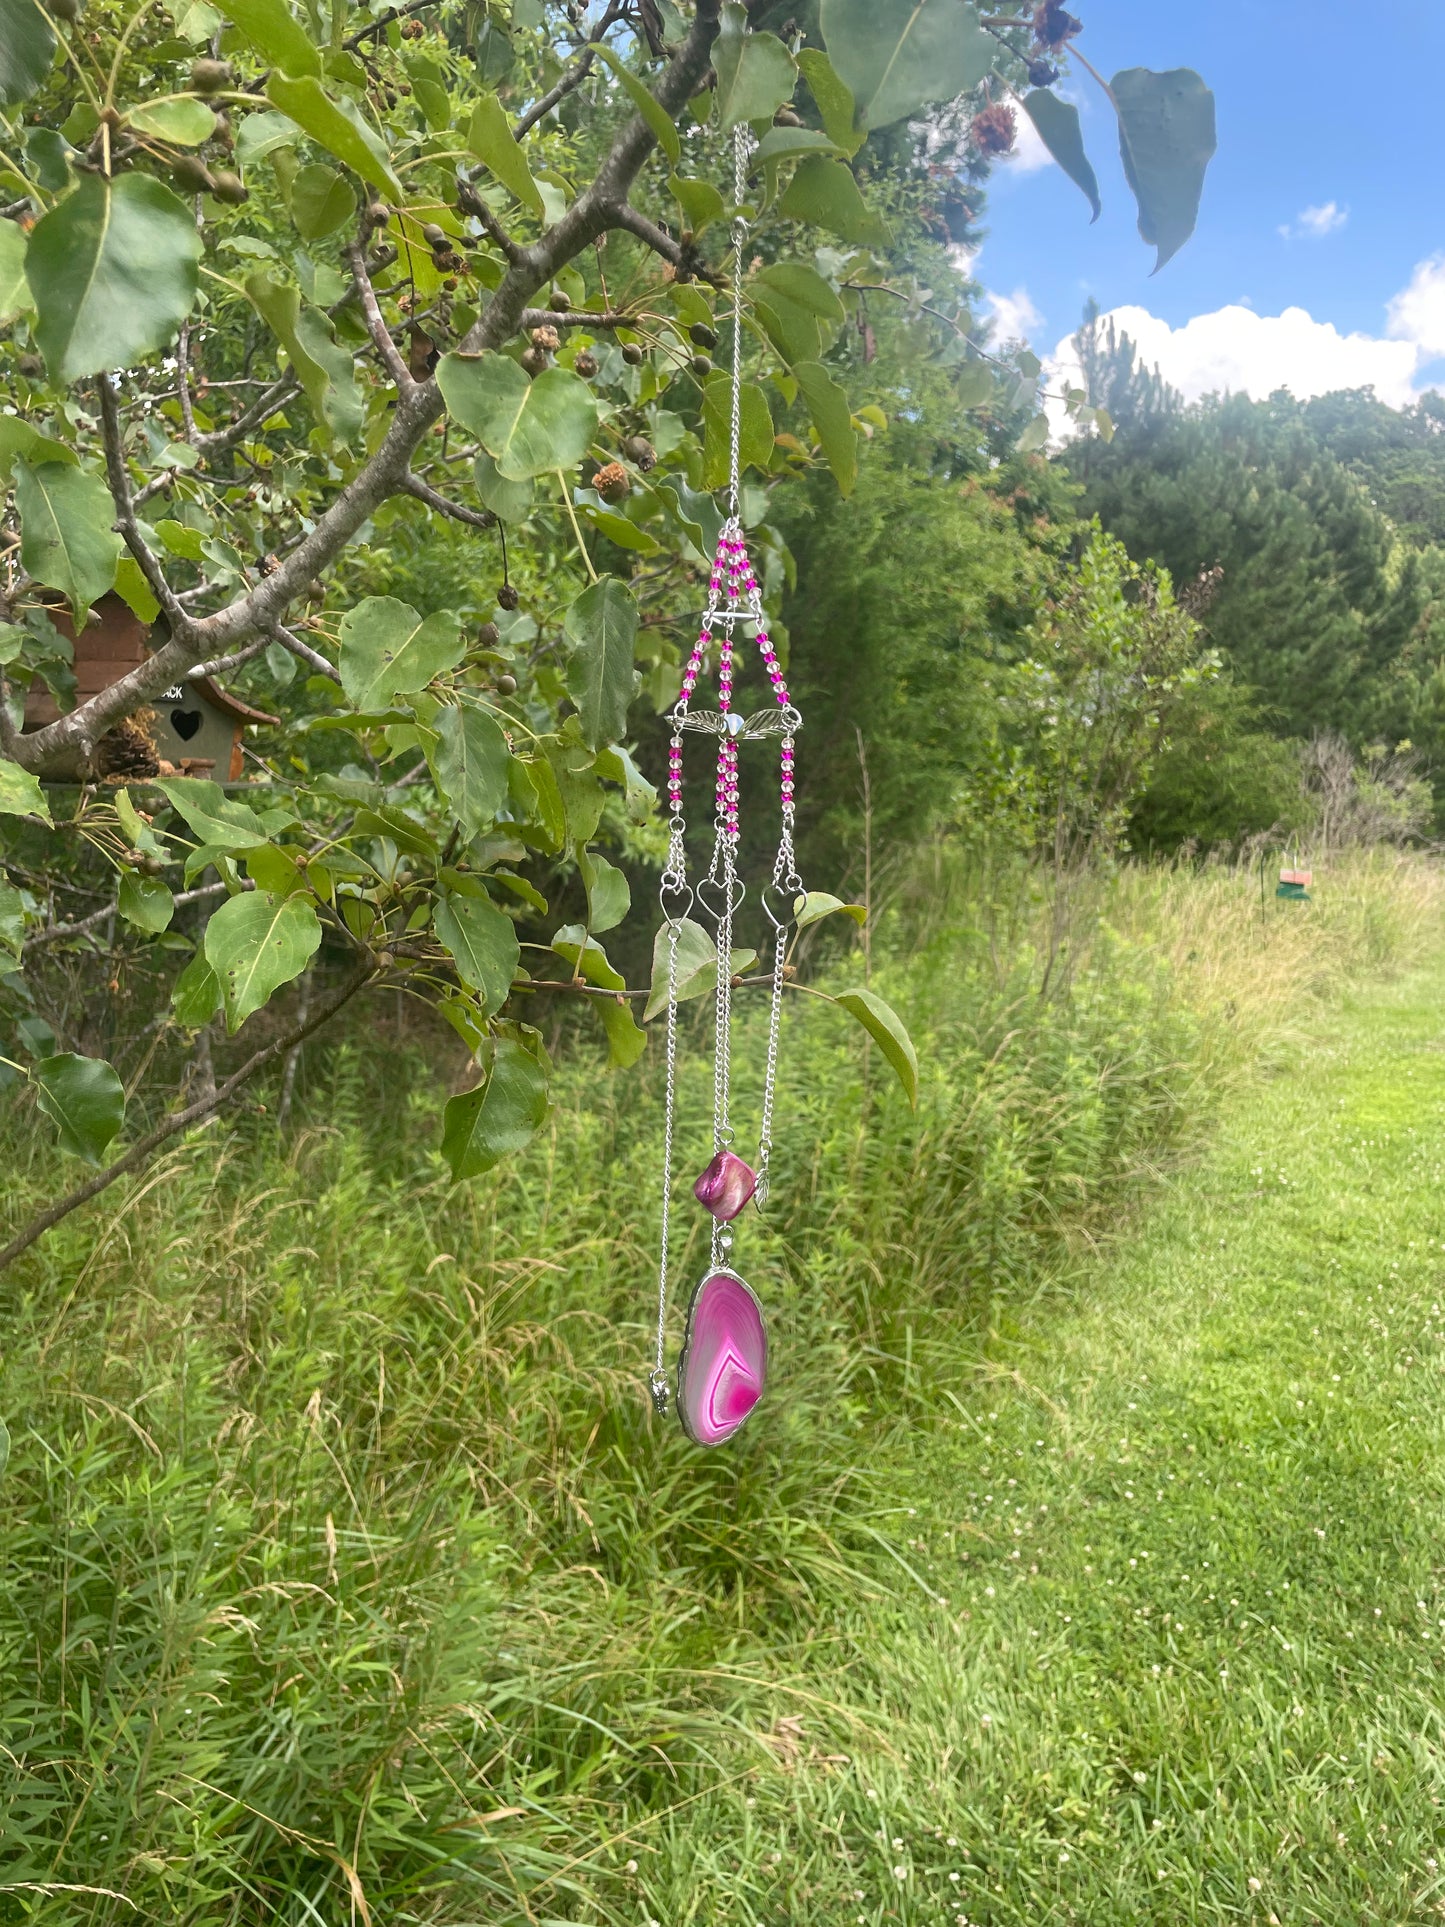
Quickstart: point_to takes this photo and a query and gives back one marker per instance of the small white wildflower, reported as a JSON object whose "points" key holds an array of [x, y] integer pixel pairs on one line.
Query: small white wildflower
{"points": [[1255, 1885], [1063, 1859], [900, 1873], [631, 1867]]}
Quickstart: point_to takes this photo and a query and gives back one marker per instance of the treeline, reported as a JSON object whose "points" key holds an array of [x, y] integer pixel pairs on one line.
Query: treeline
{"points": [[1314, 533]]}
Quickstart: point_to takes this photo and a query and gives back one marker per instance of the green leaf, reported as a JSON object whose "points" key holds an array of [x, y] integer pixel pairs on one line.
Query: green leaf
{"points": [[136, 830], [276, 34], [824, 193], [781, 144], [755, 71], [798, 309], [196, 995], [326, 370], [696, 966], [530, 427], [700, 201], [14, 288], [601, 633], [508, 501], [20, 438], [470, 764], [1057, 122], [757, 430], [817, 904], [222, 821], [262, 134], [20, 793], [491, 139], [321, 201], [898, 55], [4, 1447], [113, 269], [255, 943], [833, 418], [885, 1027], [975, 385], [1167, 140], [500, 1117], [145, 902], [617, 529], [85, 1100], [626, 1040], [587, 957], [1034, 436], [388, 650], [339, 126], [609, 895], [495, 54], [12, 920], [482, 941], [26, 48], [836, 106], [184, 123], [133, 589], [66, 538], [652, 111]]}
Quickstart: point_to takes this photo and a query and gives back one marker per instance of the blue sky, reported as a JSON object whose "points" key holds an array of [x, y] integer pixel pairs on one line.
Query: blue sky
{"points": [[1326, 130]]}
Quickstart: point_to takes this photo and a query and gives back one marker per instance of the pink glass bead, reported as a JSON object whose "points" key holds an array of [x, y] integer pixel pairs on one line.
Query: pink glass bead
{"points": [[726, 1186]]}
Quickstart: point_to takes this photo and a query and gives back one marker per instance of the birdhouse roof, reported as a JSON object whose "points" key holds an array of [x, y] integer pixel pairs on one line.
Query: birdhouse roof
{"points": [[232, 705]]}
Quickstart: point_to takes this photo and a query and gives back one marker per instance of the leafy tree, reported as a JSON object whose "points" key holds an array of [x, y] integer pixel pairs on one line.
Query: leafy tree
{"points": [[366, 268], [1315, 608]]}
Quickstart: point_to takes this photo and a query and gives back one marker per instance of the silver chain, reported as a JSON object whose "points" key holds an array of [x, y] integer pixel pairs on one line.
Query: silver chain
{"points": [[674, 883], [743, 146], [788, 885]]}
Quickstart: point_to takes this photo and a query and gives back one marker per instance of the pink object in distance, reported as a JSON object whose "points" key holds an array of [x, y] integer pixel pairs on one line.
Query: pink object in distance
{"points": [[724, 1366], [725, 1187]]}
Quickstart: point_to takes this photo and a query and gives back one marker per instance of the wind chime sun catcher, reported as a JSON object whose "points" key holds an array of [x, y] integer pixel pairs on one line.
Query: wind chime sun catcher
{"points": [[723, 1368]]}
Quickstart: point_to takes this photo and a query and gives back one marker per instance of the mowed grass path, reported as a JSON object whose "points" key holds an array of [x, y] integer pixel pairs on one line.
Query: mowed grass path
{"points": [[1189, 1536]]}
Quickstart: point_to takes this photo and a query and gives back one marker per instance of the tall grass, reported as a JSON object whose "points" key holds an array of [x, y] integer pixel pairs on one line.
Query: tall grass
{"points": [[348, 1577]]}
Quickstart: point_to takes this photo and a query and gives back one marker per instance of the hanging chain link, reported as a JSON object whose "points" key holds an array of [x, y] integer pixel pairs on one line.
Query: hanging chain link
{"points": [[743, 146], [673, 887]]}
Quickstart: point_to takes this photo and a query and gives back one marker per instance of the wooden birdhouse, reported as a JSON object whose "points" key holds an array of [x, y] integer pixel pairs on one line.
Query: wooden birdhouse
{"points": [[1294, 885], [192, 729]]}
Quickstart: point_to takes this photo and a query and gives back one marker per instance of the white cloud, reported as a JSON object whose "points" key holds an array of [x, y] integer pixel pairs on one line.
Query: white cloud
{"points": [[1014, 316], [1314, 223], [1235, 351], [1417, 313]]}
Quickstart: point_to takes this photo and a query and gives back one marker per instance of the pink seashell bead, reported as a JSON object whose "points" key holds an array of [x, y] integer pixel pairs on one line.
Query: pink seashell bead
{"points": [[726, 1186]]}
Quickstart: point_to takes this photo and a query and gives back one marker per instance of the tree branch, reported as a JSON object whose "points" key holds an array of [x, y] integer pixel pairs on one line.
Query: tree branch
{"points": [[313, 658], [222, 665], [424, 492], [469, 199], [217, 441], [183, 1120], [571, 81], [52, 933], [574, 318], [658, 239], [375, 320], [125, 521], [183, 380], [262, 608]]}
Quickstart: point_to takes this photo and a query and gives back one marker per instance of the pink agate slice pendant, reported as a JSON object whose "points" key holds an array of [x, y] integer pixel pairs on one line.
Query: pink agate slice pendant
{"points": [[724, 1365], [726, 1187]]}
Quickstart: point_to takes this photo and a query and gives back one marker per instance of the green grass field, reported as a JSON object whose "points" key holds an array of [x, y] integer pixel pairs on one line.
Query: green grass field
{"points": [[1190, 1664], [1081, 1567]]}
